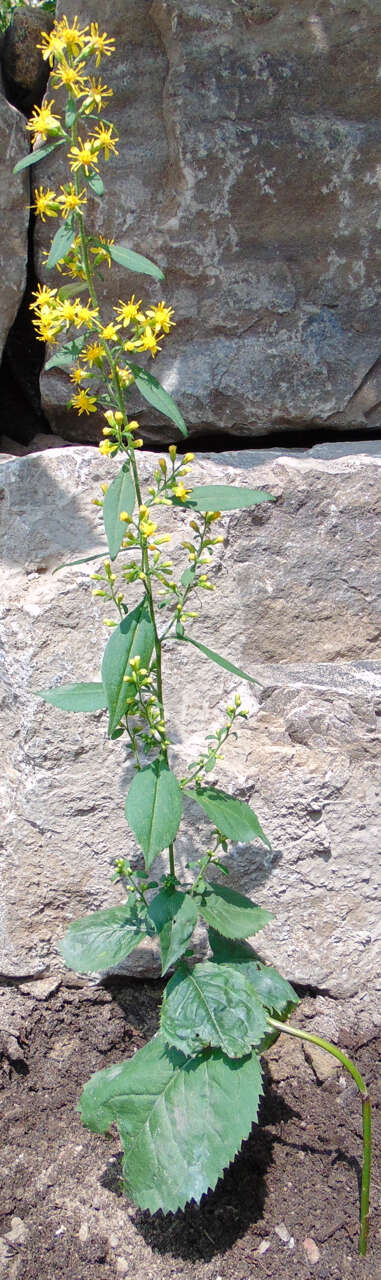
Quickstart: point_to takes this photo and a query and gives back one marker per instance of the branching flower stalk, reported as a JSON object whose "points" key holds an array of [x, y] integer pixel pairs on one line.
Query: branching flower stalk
{"points": [[218, 1015]]}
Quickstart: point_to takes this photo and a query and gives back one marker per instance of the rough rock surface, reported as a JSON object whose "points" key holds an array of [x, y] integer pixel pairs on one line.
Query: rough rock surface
{"points": [[297, 605], [248, 168], [14, 217]]}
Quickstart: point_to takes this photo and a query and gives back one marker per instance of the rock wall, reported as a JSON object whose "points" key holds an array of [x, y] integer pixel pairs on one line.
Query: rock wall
{"points": [[297, 605], [249, 169]]}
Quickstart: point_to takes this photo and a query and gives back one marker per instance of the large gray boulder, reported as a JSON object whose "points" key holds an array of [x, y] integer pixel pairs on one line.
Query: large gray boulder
{"points": [[297, 605], [247, 167], [14, 216]]}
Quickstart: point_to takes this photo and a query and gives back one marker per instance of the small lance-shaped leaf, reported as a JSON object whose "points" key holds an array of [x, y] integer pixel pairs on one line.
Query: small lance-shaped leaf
{"points": [[212, 1006], [61, 243], [181, 1121], [223, 497], [38, 154], [231, 913], [209, 653], [152, 391], [76, 697], [120, 496], [102, 939], [135, 261], [174, 916], [234, 818], [66, 355], [154, 806], [277, 995], [69, 564], [133, 636]]}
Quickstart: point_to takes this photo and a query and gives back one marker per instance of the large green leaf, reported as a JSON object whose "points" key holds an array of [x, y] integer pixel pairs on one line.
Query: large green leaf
{"points": [[75, 697], [133, 636], [102, 939], [232, 817], [216, 657], [212, 1006], [152, 391], [231, 913], [61, 243], [174, 916], [224, 497], [38, 154], [120, 496], [66, 355], [181, 1121], [135, 261], [154, 806], [277, 995]]}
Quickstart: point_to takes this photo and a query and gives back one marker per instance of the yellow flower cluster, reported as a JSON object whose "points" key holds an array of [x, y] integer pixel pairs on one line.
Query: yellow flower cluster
{"points": [[68, 48], [54, 314], [148, 327]]}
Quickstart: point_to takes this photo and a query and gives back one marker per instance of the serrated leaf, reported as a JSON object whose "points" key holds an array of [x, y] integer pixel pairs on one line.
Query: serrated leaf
{"points": [[223, 497], [174, 916], [94, 181], [102, 939], [234, 818], [277, 995], [135, 261], [212, 1006], [133, 636], [61, 243], [120, 496], [38, 154], [154, 806], [75, 697], [66, 355], [156, 395], [181, 1121], [215, 657], [231, 913]]}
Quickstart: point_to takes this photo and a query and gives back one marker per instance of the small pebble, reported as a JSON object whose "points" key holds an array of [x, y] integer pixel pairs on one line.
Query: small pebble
{"points": [[311, 1249], [18, 1233], [122, 1266], [263, 1247], [83, 1232], [283, 1233]]}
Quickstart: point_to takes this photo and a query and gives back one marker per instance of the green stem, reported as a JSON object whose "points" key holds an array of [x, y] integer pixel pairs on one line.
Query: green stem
{"points": [[366, 1114]]}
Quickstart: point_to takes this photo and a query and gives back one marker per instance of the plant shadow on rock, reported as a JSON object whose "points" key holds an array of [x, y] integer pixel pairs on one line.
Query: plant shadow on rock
{"points": [[225, 1214]]}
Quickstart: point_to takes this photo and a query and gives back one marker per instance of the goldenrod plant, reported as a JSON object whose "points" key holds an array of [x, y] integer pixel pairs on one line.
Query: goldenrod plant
{"points": [[185, 1102]]}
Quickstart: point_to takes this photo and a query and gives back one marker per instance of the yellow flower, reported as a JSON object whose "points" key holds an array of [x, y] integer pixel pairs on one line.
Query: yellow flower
{"points": [[72, 38], [128, 311], [46, 298], [125, 376], [52, 46], [181, 492], [68, 311], [106, 447], [71, 199], [148, 342], [100, 44], [93, 353], [46, 328], [95, 95], [147, 527], [103, 139], [85, 316], [69, 77], [109, 332], [160, 317], [83, 402], [84, 156], [43, 123], [76, 375], [46, 203]]}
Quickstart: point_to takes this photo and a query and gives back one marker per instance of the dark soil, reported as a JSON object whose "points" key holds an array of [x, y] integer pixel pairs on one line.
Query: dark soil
{"points": [[290, 1197]]}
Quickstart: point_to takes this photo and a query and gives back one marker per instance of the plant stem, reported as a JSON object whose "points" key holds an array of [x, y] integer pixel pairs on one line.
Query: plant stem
{"points": [[366, 1115]]}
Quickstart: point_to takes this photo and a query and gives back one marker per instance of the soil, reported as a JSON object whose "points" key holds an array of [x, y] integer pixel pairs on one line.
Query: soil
{"points": [[288, 1207]]}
